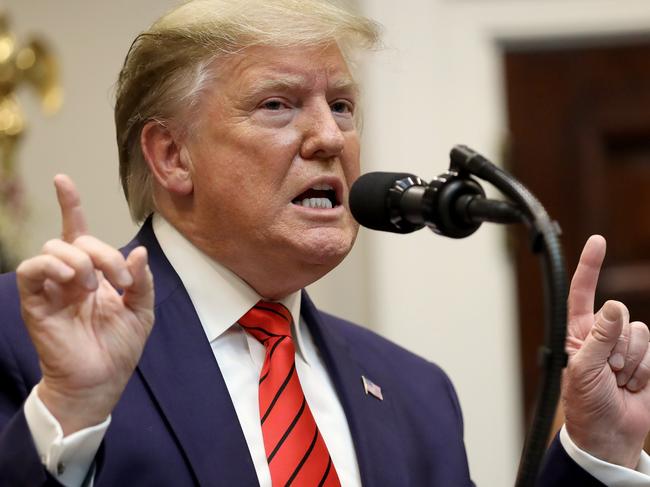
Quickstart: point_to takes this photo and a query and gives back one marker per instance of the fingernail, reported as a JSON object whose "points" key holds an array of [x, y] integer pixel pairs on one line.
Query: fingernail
{"points": [[610, 313], [633, 384], [91, 282], [124, 278], [617, 361], [620, 380]]}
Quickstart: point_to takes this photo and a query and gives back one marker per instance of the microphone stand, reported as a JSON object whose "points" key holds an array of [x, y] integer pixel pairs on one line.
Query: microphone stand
{"points": [[461, 208]]}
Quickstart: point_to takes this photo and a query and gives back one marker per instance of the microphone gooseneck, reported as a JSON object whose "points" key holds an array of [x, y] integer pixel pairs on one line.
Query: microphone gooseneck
{"points": [[454, 205]]}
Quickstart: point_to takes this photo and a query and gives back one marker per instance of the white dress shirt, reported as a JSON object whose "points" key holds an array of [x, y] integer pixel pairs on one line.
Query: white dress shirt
{"points": [[220, 299]]}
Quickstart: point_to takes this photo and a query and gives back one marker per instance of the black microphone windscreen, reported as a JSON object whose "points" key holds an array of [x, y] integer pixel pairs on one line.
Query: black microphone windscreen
{"points": [[369, 200]]}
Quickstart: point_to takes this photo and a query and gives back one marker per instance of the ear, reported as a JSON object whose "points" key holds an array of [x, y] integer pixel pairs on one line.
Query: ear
{"points": [[168, 161]]}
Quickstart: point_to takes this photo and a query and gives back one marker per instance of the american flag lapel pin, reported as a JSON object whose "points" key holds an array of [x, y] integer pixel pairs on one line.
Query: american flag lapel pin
{"points": [[371, 388]]}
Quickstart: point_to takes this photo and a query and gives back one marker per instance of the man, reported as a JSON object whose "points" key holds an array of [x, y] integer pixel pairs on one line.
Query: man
{"points": [[237, 129]]}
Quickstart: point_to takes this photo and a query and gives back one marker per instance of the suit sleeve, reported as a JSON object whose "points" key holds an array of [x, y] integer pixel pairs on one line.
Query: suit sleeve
{"points": [[20, 464], [559, 470]]}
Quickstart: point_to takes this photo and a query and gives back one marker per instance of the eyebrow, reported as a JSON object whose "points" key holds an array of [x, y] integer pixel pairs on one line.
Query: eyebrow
{"points": [[346, 84], [289, 82]]}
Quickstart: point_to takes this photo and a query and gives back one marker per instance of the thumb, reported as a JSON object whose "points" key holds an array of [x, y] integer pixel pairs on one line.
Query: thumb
{"points": [[608, 326]]}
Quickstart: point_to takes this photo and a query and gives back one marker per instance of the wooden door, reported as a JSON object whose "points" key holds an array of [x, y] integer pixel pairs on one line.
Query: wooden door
{"points": [[579, 121]]}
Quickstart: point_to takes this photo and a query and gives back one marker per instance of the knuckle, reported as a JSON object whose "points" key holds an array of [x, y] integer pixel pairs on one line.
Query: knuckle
{"points": [[641, 329], [638, 342], [83, 241], [642, 371], [633, 356], [115, 256], [111, 258], [81, 261], [99, 251], [50, 245], [623, 341]]}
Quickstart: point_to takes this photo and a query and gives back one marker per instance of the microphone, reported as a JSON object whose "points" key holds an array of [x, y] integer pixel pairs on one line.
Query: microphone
{"points": [[375, 200], [450, 205], [454, 205]]}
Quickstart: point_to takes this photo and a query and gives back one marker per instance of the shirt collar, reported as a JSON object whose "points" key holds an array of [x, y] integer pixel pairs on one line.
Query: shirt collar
{"points": [[219, 296]]}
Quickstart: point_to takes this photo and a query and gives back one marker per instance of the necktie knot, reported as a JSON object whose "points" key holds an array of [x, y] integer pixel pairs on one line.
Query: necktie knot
{"points": [[266, 320]]}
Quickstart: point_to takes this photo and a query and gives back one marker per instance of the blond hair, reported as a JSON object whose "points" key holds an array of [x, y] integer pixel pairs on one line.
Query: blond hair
{"points": [[167, 67]]}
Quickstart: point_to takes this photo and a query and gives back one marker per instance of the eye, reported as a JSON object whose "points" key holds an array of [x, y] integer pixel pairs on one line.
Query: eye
{"points": [[274, 105], [342, 106]]}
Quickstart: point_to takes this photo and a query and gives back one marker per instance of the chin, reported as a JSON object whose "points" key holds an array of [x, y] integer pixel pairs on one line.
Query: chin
{"points": [[327, 249]]}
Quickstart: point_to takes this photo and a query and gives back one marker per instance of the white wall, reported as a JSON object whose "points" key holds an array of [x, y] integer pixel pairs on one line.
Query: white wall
{"points": [[438, 83]]}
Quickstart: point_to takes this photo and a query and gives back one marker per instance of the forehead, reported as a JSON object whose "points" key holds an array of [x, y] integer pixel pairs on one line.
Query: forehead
{"points": [[303, 66]]}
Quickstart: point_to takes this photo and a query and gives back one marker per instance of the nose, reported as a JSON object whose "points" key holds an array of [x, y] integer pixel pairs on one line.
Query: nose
{"points": [[323, 138]]}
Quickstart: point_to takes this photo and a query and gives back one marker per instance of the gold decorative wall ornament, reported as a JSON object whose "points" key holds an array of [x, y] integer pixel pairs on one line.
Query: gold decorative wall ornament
{"points": [[31, 65]]}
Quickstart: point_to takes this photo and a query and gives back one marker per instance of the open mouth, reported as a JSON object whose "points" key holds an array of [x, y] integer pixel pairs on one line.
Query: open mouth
{"points": [[318, 196]]}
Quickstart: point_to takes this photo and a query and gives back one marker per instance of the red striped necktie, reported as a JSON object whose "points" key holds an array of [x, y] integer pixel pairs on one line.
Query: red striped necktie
{"points": [[295, 449]]}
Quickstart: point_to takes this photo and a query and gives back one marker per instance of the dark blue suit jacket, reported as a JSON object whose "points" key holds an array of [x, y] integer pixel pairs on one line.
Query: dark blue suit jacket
{"points": [[175, 424]]}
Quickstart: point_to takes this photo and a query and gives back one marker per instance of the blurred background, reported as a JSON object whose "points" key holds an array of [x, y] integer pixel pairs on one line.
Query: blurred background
{"points": [[558, 92]]}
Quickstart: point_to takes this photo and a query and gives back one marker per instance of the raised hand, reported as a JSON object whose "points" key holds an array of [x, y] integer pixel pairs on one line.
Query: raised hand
{"points": [[88, 336], [605, 393]]}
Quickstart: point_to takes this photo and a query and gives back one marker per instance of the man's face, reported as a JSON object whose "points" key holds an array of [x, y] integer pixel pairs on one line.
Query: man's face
{"points": [[274, 154]]}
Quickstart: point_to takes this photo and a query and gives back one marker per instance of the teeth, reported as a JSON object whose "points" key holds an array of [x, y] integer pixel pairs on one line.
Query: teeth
{"points": [[323, 187], [316, 203]]}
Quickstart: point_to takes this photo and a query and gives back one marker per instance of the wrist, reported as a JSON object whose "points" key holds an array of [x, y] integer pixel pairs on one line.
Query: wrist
{"points": [[75, 411], [608, 446]]}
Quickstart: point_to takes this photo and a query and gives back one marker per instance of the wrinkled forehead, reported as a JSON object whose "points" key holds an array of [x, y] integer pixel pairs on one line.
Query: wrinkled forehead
{"points": [[302, 67]]}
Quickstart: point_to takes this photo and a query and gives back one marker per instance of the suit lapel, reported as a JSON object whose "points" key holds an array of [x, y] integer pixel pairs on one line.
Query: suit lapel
{"points": [[372, 422], [179, 368]]}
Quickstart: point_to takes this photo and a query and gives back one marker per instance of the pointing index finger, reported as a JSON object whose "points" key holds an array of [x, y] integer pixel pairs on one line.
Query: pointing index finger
{"points": [[72, 218], [583, 285]]}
